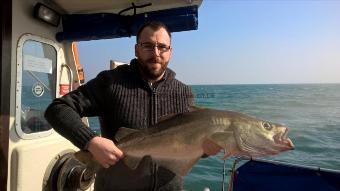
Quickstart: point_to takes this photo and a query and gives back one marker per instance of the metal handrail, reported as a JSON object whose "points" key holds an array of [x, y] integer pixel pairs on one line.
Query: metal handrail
{"points": [[71, 74]]}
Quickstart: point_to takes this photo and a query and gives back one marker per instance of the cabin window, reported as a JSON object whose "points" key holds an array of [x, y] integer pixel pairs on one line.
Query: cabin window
{"points": [[36, 81]]}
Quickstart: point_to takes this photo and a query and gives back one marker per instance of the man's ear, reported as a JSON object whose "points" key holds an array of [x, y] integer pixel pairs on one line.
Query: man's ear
{"points": [[170, 52]]}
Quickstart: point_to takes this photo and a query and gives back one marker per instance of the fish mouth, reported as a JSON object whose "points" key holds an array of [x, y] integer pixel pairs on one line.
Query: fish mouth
{"points": [[283, 141]]}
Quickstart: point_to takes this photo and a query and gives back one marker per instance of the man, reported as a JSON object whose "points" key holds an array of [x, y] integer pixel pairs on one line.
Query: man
{"points": [[134, 96]]}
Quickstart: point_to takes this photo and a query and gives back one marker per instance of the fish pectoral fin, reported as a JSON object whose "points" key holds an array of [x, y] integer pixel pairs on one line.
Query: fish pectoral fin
{"points": [[124, 132], [223, 138]]}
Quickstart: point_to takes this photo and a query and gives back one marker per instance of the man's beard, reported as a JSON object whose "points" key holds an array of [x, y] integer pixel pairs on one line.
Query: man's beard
{"points": [[149, 72]]}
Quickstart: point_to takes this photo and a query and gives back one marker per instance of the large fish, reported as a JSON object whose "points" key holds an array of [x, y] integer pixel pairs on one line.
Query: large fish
{"points": [[177, 142]]}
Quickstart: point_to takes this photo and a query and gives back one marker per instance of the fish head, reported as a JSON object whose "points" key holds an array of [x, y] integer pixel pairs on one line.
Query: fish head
{"points": [[257, 138]]}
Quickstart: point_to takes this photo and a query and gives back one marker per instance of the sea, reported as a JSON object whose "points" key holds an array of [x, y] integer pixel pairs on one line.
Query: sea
{"points": [[311, 111]]}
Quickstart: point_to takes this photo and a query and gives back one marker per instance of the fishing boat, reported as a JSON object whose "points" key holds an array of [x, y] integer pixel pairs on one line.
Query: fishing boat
{"points": [[39, 62]]}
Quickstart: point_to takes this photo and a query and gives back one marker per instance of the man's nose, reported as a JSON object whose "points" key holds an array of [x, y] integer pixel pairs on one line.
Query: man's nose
{"points": [[156, 51]]}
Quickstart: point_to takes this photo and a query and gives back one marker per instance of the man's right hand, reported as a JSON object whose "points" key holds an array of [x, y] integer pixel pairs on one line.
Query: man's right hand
{"points": [[104, 151]]}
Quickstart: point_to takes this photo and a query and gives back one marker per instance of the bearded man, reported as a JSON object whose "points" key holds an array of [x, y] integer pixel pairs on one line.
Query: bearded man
{"points": [[134, 96]]}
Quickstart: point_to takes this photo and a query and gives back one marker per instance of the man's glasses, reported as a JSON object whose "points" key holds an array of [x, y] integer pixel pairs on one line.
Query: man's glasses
{"points": [[148, 46]]}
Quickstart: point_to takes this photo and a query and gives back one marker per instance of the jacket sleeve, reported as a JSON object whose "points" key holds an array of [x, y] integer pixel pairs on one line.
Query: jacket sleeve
{"points": [[65, 113]]}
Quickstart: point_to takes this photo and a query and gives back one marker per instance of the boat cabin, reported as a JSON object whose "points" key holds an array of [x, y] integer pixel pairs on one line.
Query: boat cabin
{"points": [[39, 62]]}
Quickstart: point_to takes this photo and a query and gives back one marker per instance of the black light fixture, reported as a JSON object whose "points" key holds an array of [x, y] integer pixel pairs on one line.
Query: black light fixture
{"points": [[46, 14]]}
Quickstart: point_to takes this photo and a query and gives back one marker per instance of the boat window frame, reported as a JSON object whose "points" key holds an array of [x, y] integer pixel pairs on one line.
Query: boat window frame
{"points": [[19, 65]]}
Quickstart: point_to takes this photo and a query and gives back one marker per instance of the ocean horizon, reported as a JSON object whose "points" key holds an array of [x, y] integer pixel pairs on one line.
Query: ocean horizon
{"points": [[300, 83]]}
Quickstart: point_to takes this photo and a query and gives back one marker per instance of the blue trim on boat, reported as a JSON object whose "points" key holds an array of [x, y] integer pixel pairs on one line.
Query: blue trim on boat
{"points": [[263, 175], [81, 27]]}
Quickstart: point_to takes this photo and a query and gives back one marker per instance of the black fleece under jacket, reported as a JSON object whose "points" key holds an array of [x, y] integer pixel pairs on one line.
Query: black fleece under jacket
{"points": [[121, 98]]}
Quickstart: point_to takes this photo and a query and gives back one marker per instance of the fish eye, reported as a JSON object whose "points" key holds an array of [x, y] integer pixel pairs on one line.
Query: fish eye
{"points": [[267, 126]]}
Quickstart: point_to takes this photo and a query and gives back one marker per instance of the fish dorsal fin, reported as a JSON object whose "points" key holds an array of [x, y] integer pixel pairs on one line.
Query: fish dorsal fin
{"points": [[194, 108], [173, 115], [166, 117], [124, 132]]}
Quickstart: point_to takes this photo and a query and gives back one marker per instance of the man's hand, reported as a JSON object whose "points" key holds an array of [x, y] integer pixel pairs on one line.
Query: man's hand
{"points": [[104, 151]]}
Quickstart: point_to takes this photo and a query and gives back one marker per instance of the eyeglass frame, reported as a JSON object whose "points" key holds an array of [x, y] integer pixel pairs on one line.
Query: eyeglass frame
{"points": [[160, 47]]}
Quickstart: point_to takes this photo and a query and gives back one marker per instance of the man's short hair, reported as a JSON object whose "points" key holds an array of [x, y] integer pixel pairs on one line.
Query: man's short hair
{"points": [[154, 25]]}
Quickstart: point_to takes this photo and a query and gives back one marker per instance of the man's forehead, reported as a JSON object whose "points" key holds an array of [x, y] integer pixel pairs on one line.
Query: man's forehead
{"points": [[159, 34]]}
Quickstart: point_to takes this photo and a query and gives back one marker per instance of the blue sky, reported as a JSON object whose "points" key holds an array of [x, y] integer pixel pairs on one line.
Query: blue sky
{"points": [[244, 42]]}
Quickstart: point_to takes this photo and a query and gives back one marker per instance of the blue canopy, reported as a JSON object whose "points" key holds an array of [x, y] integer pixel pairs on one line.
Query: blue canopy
{"points": [[273, 176], [78, 27]]}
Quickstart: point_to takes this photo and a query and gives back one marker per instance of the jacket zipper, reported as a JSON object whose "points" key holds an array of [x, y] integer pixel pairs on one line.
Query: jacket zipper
{"points": [[153, 106]]}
